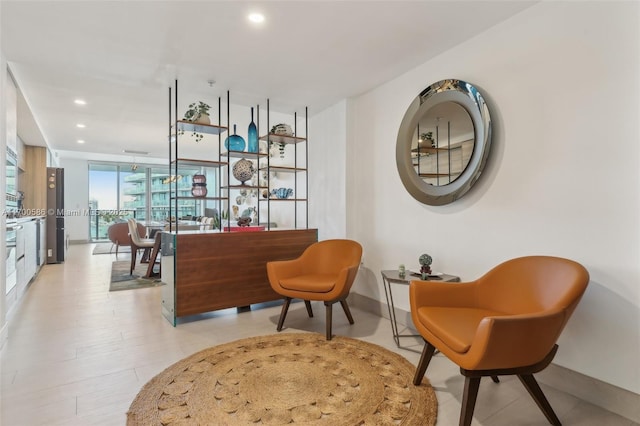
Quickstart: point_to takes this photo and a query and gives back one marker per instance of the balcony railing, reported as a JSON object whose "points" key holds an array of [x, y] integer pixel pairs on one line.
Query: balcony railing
{"points": [[101, 220]]}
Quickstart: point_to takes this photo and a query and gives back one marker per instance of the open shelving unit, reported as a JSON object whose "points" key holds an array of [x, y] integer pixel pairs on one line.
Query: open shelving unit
{"points": [[207, 270]]}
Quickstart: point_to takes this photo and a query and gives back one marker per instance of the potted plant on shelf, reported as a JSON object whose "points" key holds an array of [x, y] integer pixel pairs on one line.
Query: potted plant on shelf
{"points": [[426, 140], [282, 130], [198, 113]]}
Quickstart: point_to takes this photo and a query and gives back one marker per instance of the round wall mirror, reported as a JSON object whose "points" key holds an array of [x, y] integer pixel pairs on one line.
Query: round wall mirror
{"points": [[443, 142]]}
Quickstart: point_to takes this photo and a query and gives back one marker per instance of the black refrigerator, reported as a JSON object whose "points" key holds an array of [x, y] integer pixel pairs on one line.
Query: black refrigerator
{"points": [[56, 243]]}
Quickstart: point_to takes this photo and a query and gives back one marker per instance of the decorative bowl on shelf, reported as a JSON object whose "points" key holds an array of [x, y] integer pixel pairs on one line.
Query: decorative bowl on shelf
{"points": [[282, 193], [282, 129]]}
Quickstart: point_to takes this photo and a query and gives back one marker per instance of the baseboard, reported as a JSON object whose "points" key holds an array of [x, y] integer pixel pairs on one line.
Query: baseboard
{"points": [[73, 242], [607, 396]]}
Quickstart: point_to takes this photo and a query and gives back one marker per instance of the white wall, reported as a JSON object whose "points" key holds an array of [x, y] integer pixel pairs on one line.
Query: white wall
{"points": [[3, 173], [561, 79], [327, 164], [76, 197]]}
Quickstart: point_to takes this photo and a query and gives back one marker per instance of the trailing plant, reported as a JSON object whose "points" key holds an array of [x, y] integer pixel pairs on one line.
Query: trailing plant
{"points": [[196, 110], [281, 145], [193, 114]]}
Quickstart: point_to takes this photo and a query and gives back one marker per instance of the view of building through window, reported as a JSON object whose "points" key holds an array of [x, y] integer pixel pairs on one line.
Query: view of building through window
{"points": [[120, 191]]}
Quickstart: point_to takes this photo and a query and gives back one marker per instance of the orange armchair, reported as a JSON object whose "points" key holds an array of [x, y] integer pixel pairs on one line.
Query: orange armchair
{"points": [[507, 322], [325, 272]]}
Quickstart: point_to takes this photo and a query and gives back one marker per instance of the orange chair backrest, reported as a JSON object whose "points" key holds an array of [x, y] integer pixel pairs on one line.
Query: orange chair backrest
{"points": [[331, 256], [533, 284], [118, 233]]}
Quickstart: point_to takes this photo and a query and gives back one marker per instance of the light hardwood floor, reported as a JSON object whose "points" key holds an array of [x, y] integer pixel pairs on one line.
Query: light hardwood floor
{"points": [[78, 354]]}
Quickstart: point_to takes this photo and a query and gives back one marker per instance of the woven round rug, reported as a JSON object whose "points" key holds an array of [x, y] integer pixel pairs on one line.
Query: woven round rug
{"points": [[288, 378]]}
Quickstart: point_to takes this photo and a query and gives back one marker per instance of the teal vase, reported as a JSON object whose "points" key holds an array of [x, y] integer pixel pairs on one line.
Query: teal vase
{"points": [[234, 142], [252, 138]]}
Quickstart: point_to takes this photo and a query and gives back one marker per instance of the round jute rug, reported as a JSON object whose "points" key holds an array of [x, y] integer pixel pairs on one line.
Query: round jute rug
{"points": [[279, 379]]}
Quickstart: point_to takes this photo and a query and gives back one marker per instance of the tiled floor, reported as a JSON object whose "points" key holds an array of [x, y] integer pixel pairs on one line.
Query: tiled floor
{"points": [[78, 354]]}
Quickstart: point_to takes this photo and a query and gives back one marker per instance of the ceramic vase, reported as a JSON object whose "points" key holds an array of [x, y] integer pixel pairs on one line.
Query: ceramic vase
{"points": [[234, 142], [252, 136], [243, 170]]}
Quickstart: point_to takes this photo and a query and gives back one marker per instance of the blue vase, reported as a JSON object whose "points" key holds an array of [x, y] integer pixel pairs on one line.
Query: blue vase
{"points": [[234, 142], [252, 137]]}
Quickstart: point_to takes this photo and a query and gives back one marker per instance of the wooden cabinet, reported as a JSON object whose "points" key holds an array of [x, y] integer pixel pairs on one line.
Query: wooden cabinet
{"points": [[33, 179], [207, 271]]}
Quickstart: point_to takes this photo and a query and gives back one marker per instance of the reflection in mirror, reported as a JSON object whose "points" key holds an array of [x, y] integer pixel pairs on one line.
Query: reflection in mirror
{"points": [[443, 143]]}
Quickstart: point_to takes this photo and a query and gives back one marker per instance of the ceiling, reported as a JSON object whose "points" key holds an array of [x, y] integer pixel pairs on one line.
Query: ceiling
{"points": [[122, 56]]}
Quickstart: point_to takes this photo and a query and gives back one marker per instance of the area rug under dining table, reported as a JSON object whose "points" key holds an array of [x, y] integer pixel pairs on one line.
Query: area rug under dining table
{"points": [[287, 378], [121, 279]]}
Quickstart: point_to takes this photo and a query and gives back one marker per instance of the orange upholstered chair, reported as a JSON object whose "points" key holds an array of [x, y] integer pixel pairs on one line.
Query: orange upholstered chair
{"points": [[324, 272], [504, 323]]}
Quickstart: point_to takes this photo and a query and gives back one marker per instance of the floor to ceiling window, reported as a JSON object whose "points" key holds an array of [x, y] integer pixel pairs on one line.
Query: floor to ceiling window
{"points": [[121, 191]]}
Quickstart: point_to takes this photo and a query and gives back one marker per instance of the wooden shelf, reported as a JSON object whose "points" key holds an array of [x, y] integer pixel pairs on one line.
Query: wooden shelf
{"points": [[275, 138], [244, 154], [430, 150], [283, 169], [282, 199], [243, 187], [203, 163], [211, 129], [436, 175], [191, 197]]}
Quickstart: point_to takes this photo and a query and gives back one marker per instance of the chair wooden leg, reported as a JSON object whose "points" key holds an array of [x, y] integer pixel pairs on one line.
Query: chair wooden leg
{"points": [[329, 317], [283, 313], [471, 385], [134, 252], [309, 310], [536, 393], [425, 359], [347, 311], [495, 379]]}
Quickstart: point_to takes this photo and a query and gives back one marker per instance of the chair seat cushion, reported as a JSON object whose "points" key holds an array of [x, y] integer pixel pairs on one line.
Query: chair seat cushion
{"points": [[456, 327], [315, 283]]}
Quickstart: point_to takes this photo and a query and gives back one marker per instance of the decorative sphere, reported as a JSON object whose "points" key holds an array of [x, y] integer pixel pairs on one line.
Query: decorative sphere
{"points": [[425, 260], [243, 170]]}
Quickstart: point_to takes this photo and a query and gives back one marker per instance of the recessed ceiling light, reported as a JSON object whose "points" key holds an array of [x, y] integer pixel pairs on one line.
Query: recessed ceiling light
{"points": [[80, 126], [80, 141], [80, 102], [256, 17]]}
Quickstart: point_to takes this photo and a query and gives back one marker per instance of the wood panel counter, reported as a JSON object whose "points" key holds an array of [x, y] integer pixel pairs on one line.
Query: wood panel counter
{"points": [[210, 270]]}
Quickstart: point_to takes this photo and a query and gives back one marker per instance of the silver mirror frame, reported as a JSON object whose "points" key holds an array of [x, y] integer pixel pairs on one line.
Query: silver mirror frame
{"points": [[467, 96]]}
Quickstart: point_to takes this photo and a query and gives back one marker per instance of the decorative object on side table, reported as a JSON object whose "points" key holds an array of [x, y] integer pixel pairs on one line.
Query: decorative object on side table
{"points": [[199, 186], [401, 271], [425, 265], [282, 193], [252, 135], [243, 170], [234, 142]]}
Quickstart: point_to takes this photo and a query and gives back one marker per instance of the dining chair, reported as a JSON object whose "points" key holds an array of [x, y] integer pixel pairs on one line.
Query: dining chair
{"points": [[138, 243]]}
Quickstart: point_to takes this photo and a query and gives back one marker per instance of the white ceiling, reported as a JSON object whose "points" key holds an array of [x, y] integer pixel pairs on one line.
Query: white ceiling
{"points": [[122, 56]]}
